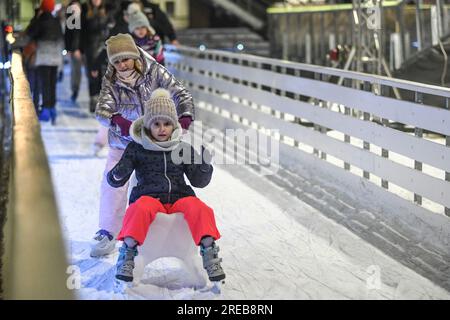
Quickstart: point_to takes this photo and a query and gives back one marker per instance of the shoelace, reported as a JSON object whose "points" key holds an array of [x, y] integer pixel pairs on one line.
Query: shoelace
{"points": [[99, 237], [213, 268], [127, 267], [103, 233]]}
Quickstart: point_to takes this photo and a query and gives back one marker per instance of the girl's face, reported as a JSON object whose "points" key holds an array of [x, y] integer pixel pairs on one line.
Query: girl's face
{"points": [[161, 130], [140, 32], [124, 65]]}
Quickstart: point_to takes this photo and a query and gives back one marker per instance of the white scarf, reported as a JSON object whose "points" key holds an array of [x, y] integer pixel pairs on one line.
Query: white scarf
{"points": [[129, 77], [139, 134]]}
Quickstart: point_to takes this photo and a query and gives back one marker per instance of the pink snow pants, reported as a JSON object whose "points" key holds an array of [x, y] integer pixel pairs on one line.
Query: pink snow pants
{"points": [[113, 201], [140, 215], [101, 138]]}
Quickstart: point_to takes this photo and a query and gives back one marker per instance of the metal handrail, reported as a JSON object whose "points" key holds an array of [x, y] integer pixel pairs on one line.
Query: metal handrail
{"points": [[34, 261], [275, 90], [376, 79]]}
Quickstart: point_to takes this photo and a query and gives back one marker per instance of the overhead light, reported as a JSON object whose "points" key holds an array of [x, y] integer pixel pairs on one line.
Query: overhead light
{"points": [[64, 52], [202, 47], [240, 46]]}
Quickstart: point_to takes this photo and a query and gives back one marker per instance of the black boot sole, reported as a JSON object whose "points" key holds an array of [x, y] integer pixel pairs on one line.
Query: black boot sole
{"points": [[124, 278], [217, 278]]}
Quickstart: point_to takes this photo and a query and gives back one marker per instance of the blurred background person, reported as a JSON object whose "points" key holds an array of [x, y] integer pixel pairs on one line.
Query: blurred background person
{"points": [[145, 36], [157, 18], [94, 32], [121, 19], [29, 62], [46, 31], [72, 38]]}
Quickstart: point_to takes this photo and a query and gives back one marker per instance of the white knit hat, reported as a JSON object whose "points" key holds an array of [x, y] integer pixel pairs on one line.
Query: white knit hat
{"points": [[138, 19], [160, 106]]}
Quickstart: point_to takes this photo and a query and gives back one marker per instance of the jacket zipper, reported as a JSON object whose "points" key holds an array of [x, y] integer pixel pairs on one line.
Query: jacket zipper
{"points": [[165, 174]]}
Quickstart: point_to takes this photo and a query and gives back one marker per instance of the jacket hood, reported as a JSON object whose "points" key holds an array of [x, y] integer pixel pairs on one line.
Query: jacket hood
{"points": [[138, 134]]}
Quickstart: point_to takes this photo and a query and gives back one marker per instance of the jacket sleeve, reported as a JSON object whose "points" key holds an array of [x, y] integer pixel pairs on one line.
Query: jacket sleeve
{"points": [[122, 171], [34, 29], [182, 97], [199, 174], [106, 105]]}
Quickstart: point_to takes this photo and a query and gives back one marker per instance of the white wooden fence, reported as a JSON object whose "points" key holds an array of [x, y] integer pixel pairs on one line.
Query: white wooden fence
{"points": [[350, 126]]}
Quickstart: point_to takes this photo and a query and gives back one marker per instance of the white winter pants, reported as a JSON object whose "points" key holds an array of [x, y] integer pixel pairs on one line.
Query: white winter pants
{"points": [[113, 201]]}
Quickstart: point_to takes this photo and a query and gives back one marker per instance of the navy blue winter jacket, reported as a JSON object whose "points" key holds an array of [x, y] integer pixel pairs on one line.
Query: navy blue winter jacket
{"points": [[157, 175]]}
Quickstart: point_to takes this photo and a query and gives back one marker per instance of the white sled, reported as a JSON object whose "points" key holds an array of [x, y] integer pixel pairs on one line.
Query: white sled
{"points": [[169, 236]]}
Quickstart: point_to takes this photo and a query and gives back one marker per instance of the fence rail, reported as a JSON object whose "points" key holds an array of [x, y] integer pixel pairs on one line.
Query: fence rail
{"points": [[353, 127], [34, 261]]}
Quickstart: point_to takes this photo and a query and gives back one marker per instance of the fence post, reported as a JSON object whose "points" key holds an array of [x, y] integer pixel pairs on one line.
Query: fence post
{"points": [[447, 143], [308, 55], [347, 112], [366, 117], [418, 132], [297, 120]]}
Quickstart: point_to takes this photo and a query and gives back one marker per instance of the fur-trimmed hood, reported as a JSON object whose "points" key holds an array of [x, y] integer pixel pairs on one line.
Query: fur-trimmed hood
{"points": [[139, 135]]}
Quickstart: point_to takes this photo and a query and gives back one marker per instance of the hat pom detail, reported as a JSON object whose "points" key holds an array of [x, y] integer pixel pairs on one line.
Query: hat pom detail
{"points": [[133, 8], [160, 93]]}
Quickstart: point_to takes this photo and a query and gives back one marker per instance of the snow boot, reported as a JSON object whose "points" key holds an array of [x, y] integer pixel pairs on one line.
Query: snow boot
{"points": [[93, 103], [74, 95], [53, 115], [44, 115], [211, 262], [125, 263], [104, 243]]}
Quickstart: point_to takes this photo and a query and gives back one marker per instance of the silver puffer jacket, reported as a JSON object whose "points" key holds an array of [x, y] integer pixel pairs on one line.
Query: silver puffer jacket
{"points": [[117, 98]]}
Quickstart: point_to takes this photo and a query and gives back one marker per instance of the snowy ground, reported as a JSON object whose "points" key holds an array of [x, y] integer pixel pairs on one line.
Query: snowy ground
{"points": [[273, 247]]}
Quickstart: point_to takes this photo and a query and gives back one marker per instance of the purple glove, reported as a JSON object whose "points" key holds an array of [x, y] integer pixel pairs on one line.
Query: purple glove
{"points": [[185, 122], [123, 124]]}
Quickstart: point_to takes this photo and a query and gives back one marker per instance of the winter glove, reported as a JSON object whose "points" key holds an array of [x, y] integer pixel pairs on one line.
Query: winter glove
{"points": [[123, 124], [206, 156], [185, 122], [119, 172], [206, 160]]}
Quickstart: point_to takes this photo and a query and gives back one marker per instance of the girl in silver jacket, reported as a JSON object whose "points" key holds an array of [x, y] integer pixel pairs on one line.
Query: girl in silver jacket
{"points": [[131, 78]]}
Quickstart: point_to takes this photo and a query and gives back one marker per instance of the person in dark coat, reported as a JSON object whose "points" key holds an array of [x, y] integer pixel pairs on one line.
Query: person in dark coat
{"points": [[47, 32], [161, 186], [29, 59], [94, 32], [72, 38], [120, 19]]}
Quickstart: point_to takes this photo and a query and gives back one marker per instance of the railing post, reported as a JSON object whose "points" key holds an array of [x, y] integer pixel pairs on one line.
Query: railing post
{"points": [[418, 132], [282, 94], [447, 143], [347, 112], [366, 117], [257, 106], [384, 152], [308, 54]]}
